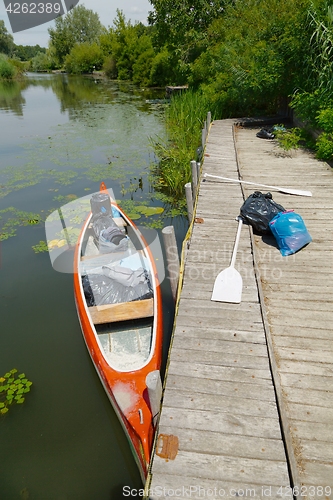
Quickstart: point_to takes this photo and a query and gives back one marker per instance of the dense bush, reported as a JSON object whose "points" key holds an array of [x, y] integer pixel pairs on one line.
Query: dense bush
{"points": [[80, 25], [7, 69], [161, 70], [42, 62], [84, 58], [110, 67], [142, 67]]}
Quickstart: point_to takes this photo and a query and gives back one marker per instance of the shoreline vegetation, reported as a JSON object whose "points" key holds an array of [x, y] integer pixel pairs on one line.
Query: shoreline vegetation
{"points": [[244, 58], [11, 69]]}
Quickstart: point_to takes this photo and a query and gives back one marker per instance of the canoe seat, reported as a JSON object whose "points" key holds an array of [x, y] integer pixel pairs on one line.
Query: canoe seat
{"points": [[124, 311]]}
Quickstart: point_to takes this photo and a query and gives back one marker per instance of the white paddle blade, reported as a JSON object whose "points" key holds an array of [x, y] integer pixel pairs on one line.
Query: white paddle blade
{"points": [[228, 286]]}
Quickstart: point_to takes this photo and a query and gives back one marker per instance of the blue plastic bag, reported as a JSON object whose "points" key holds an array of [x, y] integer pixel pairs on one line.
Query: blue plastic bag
{"points": [[290, 232]]}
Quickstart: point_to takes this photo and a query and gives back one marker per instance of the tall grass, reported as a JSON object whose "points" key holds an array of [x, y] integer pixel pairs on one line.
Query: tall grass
{"points": [[185, 117]]}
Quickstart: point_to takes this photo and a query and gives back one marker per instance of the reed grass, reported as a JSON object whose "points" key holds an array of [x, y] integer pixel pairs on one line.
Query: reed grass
{"points": [[184, 117]]}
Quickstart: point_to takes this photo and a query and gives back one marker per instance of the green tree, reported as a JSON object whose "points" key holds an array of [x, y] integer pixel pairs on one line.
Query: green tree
{"points": [[256, 56], [80, 25], [27, 52], [6, 40], [182, 25], [128, 49]]}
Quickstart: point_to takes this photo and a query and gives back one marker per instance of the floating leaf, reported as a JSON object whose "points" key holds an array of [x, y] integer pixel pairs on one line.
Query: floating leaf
{"points": [[134, 216], [3, 411], [61, 243], [20, 401], [22, 375], [151, 210], [52, 244], [13, 371]]}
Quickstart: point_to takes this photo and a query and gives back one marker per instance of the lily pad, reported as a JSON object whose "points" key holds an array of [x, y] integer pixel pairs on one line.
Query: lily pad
{"points": [[148, 211], [134, 215]]}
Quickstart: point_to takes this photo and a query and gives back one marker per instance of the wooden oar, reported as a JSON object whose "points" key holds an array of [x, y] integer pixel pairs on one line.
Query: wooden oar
{"points": [[228, 284], [297, 192]]}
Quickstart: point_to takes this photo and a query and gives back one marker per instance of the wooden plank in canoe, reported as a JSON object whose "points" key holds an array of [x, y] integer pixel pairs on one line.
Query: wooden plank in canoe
{"points": [[111, 313]]}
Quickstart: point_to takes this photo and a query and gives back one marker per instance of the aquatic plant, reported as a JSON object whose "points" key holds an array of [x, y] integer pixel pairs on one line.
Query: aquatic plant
{"points": [[184, 122], [13, 387], [16, 218], [135, 210], [40, 247]]}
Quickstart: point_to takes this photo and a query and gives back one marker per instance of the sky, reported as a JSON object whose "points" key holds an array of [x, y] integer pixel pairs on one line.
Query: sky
{"points": [[134, 10]]}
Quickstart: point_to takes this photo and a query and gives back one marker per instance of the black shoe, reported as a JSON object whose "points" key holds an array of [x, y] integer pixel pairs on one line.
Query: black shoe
{"points": [[264, 134]]}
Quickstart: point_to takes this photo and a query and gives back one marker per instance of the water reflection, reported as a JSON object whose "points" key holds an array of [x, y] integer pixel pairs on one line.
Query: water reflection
{"points": [[11, 98], [75, 93], [76, 129]]}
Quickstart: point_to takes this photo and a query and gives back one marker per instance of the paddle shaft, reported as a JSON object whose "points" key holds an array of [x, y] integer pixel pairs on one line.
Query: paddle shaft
{"points": [[234, 253], [297, 192]]}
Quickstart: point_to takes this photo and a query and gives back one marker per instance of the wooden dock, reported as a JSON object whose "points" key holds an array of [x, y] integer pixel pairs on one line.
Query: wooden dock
{"points": [[248, 401]]}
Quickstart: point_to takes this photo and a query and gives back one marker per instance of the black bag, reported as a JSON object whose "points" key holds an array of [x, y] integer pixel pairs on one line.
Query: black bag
{"points": [[100, 289], [258, 210]]}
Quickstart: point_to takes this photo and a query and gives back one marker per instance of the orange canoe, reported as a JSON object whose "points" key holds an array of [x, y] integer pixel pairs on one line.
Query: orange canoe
{"points": [[119, 305]]}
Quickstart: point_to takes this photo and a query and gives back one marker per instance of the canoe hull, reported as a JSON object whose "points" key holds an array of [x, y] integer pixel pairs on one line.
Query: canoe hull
{"points": [[126, 389]]}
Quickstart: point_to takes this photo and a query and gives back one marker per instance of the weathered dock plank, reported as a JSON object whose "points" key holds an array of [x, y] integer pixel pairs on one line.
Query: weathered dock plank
{"points": [[255, 392], [224, 468]]}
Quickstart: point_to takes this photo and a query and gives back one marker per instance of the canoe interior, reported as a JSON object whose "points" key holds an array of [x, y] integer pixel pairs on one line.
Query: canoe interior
{"points": [[124, 330], [126, 344]]}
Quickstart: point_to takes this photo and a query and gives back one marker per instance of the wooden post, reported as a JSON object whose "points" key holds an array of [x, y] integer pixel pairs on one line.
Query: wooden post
{"points": [[194, 177], [189, 200], [198, 170], [154, 386], [203, 138], [209, 119], [172, 258]]}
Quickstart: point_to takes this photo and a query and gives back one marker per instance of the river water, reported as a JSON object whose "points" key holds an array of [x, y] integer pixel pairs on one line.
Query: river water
{"points": [[60, 137]]}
